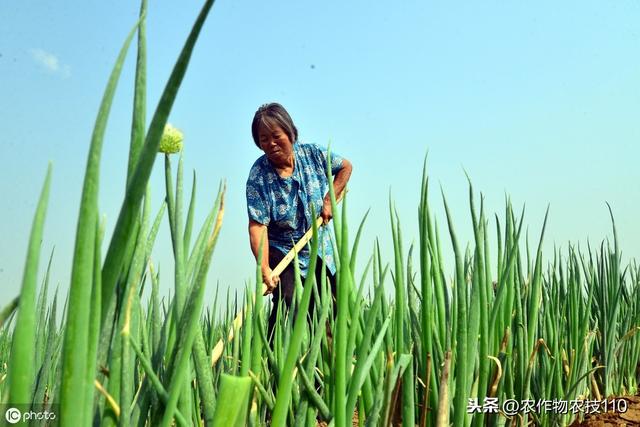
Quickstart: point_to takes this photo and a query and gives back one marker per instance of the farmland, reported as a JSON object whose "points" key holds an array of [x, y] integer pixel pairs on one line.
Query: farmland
{"points": [[447, 347]]}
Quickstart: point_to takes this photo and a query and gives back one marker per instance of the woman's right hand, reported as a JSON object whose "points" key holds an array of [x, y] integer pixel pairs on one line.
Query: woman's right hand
{"points": [[269, 279]]}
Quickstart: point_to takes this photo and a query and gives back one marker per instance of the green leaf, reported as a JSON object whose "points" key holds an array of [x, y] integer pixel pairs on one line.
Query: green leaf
{"points": [[233, 401], [135, 190], [21, 366]]}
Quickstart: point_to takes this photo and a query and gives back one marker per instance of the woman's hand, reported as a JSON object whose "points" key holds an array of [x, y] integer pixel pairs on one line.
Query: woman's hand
{"points": [[339, 182], [269, 279], [326, 213], [257, 234]]}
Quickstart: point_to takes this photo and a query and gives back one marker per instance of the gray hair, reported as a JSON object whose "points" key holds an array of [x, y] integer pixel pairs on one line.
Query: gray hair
{"points": [[270, 115]]}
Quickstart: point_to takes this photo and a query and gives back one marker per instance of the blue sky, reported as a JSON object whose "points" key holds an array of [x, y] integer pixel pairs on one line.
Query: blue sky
{"points": [[537, 100]]}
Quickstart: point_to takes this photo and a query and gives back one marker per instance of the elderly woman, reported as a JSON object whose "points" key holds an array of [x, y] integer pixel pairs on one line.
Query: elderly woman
{"points": [[283, 184]]}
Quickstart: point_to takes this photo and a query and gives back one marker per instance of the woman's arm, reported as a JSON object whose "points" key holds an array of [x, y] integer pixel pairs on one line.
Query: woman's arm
{"points": [[339, 182], [256, 231]]}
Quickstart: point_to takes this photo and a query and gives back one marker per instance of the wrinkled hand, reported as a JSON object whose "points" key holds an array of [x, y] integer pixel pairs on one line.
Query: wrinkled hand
{"points": [[326, 213], [270, 280]]}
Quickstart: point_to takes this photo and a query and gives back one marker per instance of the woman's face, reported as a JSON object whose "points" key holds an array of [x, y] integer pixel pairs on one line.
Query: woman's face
{"points": [[275, 143]]}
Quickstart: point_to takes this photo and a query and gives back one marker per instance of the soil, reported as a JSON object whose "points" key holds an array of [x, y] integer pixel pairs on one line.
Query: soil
{"points": [[354, 421], [614, 419]]}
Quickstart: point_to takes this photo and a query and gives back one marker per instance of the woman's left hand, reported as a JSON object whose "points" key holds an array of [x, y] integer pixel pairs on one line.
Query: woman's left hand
{"points": [[326, 212]]}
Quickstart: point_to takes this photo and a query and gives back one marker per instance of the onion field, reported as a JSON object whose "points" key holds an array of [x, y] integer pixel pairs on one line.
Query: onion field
{"points": [[512, 337]]}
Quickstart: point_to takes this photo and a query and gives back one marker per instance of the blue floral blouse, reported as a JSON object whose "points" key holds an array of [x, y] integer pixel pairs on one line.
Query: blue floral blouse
{"points": [[284, 204]]}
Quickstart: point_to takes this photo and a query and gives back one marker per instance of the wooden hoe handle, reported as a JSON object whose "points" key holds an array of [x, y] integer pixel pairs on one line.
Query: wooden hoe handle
{"points": [[284, 263]]}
